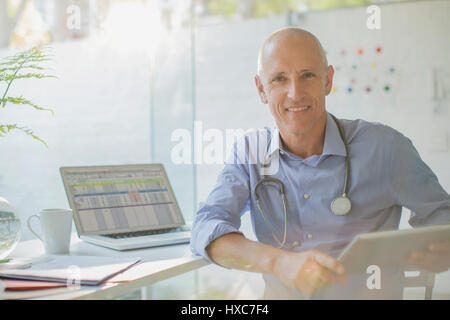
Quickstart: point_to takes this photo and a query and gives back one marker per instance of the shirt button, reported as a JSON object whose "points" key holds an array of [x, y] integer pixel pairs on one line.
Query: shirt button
{"points": [[309, 236], [306, 196]]}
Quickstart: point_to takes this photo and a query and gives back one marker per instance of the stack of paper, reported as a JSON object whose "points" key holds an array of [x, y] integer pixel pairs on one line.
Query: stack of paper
{"points": [[57, 271]]}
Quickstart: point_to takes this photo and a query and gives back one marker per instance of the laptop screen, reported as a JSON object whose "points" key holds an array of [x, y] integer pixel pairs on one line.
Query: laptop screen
{"points": [[123, 198]]}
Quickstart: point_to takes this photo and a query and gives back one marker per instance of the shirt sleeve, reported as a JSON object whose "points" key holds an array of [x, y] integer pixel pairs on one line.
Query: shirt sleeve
{"points": [[221, 213], [415, 186]]}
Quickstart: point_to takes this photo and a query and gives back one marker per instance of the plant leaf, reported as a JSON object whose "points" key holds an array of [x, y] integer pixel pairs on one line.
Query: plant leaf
{"points": [[6, 128], [9, 77], [21, 100], [9, 72], [31, 66]]}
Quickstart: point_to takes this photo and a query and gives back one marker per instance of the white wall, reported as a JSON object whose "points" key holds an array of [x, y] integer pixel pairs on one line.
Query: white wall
{"points": [[415, 40]]}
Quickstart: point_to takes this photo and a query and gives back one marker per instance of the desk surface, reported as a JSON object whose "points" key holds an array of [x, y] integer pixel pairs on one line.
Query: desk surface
{"points": [[157, 264]]}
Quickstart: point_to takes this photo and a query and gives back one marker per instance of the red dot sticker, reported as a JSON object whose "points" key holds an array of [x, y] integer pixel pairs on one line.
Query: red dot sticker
{"points": [[378, 49], [360, 51]]}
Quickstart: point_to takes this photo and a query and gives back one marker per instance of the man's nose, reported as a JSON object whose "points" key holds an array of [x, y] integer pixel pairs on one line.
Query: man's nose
{"points": [[295, 91]]}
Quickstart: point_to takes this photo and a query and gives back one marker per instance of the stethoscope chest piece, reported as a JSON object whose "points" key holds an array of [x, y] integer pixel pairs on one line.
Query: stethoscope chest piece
{"points": [[341, 206]]}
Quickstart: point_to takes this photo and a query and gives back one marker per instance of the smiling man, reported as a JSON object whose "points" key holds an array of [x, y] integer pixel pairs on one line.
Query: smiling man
{"points": [[299, 235], [294, 78]]}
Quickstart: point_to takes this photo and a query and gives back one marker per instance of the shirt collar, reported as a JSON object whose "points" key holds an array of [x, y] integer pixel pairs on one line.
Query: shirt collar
{"points": [[274, 142], [333, 144]]}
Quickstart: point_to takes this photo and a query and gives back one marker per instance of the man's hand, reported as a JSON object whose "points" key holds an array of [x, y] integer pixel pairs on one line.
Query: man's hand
{"points": [[435, 259], [308, 271]]}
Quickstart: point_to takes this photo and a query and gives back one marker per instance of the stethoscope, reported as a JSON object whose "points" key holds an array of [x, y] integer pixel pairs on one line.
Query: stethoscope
{"points": [[340, 206]]}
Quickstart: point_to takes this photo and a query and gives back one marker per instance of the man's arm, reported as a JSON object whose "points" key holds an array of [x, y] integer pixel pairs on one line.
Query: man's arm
{"points": [[234, 251], [307, 271], [417, 188]]}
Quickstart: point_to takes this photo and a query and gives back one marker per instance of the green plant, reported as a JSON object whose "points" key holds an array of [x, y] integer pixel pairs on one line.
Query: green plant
{"points": [[265, 8], [226, 7], [24, 65]]}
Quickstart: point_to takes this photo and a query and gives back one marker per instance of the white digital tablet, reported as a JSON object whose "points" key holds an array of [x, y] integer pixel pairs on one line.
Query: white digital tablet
{"points": [[389, 249]]}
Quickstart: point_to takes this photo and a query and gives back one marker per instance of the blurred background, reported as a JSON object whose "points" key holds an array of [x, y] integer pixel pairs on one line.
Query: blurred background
{"points": [[131, 72]]}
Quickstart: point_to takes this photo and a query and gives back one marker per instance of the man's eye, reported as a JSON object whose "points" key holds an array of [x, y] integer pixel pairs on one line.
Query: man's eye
{"points": [[308, 75], [278, 79]]}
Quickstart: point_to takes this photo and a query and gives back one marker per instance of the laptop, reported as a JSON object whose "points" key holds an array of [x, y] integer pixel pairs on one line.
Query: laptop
{"points": [[124, 207]]}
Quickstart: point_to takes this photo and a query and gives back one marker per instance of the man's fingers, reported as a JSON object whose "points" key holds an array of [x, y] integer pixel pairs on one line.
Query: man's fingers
{"points": [[340, 279], [308, 281], [330, 263], [417, 255], [321, 276], [420, 258], [326, 277], [439, 246], [317, 270], [430, 261], [436, 267]]}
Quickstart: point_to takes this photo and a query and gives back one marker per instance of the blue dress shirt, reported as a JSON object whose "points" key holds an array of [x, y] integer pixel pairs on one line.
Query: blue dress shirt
{"points": [[386, 173]]}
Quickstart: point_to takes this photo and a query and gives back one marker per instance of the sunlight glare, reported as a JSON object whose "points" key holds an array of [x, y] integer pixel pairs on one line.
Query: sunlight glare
{"points": [[133, 26]]}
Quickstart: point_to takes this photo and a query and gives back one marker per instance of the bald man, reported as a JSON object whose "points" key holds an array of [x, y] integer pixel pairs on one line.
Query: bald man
{"points": [[297, 246]]}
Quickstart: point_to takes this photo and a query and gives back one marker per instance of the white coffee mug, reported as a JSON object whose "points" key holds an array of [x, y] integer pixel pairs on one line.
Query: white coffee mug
{"points": [[56, 228]]}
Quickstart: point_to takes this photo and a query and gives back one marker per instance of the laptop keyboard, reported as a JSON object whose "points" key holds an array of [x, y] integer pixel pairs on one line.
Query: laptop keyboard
{"points": [[138, 233]]}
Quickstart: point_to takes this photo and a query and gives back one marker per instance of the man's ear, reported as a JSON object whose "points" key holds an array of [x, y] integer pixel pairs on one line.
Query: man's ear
{"points": [[260, 88], [329, 79]]}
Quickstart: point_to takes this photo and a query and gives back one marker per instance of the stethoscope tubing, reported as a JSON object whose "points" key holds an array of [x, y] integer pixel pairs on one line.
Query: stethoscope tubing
{"points": [[341, 207]]}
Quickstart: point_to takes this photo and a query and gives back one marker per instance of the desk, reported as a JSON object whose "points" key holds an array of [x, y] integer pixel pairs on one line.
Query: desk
{"points": [[157, 264]]}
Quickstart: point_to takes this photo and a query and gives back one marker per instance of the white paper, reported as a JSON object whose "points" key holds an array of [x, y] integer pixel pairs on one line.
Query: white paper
{"points": [[77, 269]]}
